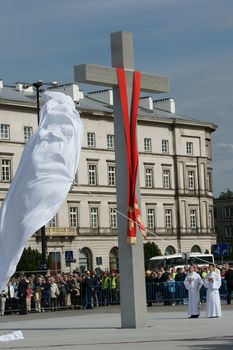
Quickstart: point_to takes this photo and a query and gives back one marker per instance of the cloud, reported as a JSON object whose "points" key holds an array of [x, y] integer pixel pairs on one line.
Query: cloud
{"points": [[187, 40], [207, 93], [223, 151], [222, 166], [226, 147]]}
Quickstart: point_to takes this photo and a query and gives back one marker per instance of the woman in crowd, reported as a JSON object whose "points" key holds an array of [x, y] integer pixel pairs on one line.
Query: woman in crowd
{"points": [[54, 293]]}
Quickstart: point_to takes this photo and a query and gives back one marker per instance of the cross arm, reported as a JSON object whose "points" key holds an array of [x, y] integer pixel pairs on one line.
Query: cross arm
{"points": [[94, 74], [106, 76]]}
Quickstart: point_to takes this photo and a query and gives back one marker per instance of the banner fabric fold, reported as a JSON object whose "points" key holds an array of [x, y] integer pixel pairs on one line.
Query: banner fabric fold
{"points": [[43, 179]]}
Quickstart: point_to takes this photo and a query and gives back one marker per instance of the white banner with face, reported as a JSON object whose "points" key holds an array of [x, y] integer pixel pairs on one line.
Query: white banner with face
{"points": [[43, 178]]}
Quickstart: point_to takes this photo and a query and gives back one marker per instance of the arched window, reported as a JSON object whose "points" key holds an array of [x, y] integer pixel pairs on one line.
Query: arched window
{"points": [[196, 249], [170, 250], [55, 262], [85, 260], [113, 259]]}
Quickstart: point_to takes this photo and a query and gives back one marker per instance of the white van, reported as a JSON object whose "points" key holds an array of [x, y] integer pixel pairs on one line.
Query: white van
{"points": [[181, 260]]}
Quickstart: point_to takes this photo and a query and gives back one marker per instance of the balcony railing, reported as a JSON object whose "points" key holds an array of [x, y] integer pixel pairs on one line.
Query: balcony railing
{"points": [[61, 231]]}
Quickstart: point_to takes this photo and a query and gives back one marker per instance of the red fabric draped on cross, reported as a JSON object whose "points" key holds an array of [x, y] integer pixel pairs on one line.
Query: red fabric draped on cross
{"points": [[130, 126]]}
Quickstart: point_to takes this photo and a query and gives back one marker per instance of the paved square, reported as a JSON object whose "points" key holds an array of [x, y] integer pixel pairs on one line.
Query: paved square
{"points": [[167, 328]]}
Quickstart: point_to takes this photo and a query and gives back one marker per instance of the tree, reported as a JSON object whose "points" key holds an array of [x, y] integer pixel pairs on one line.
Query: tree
{"points": [[227, 194], [150, 249], [30, 260]]}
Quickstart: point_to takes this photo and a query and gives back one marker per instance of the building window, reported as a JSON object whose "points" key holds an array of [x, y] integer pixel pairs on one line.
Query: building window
{"points": [[191, 180], [92, 175], [6, 170], [215, 213], [91, 139], [53, 222], [147, 145], [150, 218], [189, 147], [166, 178], [228, 211], [111, 175], [113, 259], [228, 231], [193, 219], [170, 250], [5, 131], [165, 146], [27, 133], [73, 217], [94, 217], [113, 218], [149, 178], [110, 141], [209, 181], [168, 218], [207, 149], [55, 261], [85, 260], [211, 219]]}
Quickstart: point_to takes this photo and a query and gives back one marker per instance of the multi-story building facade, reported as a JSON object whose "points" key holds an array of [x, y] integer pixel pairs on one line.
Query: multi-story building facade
{"points": [[223, 218], [175, 176]]}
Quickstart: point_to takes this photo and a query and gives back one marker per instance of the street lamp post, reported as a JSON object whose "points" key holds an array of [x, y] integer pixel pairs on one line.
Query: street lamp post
{"points": [[37, 85]]}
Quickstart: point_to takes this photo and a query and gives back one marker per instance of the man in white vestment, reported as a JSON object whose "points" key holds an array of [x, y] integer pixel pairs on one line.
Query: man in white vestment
{"points": [[193, 283], [213, 282]]}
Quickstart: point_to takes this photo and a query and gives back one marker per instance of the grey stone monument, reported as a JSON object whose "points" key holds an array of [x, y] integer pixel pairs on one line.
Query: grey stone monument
{"points": [[131, 259]]}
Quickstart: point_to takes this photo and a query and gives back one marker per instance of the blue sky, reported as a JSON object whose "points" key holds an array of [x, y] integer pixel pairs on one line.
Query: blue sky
{"points": [[190, 41]]}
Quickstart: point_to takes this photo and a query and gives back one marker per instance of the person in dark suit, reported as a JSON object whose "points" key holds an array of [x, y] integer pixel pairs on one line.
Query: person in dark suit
{"points": [[181, 292], [22, 292], [229, 280], [164, 278]]}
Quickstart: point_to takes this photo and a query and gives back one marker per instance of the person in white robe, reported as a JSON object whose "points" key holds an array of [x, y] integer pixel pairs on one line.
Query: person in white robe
{"points": [[193, 283], [213, 282]]}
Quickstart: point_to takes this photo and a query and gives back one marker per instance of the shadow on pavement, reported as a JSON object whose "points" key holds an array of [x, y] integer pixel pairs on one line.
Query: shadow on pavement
{"points": [[215, 343]]}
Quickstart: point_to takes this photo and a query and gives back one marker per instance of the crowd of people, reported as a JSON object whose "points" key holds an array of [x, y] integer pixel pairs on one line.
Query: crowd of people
{"points": [[192, 285], [39, 293], [170, 286]]}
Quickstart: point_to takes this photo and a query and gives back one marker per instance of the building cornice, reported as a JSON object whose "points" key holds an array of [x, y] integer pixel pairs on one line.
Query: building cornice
{"points": [[153, 118]]}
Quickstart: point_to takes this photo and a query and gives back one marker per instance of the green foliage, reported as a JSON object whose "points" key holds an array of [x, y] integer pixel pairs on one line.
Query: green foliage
{"points": [[227, 194], [150, 250], [30, 260]]}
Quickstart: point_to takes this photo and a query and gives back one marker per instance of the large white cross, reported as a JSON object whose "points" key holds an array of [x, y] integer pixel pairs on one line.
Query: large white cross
{"points": [[131, 259]]}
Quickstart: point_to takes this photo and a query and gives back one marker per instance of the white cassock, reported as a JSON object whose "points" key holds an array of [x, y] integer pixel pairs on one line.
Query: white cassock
{"points": [[213, 304], [43, 178], [193, 283]]}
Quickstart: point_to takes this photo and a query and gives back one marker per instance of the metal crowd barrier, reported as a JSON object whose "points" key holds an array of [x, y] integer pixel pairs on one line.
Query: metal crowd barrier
{"points": [[172, 292], [167, 293]]}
